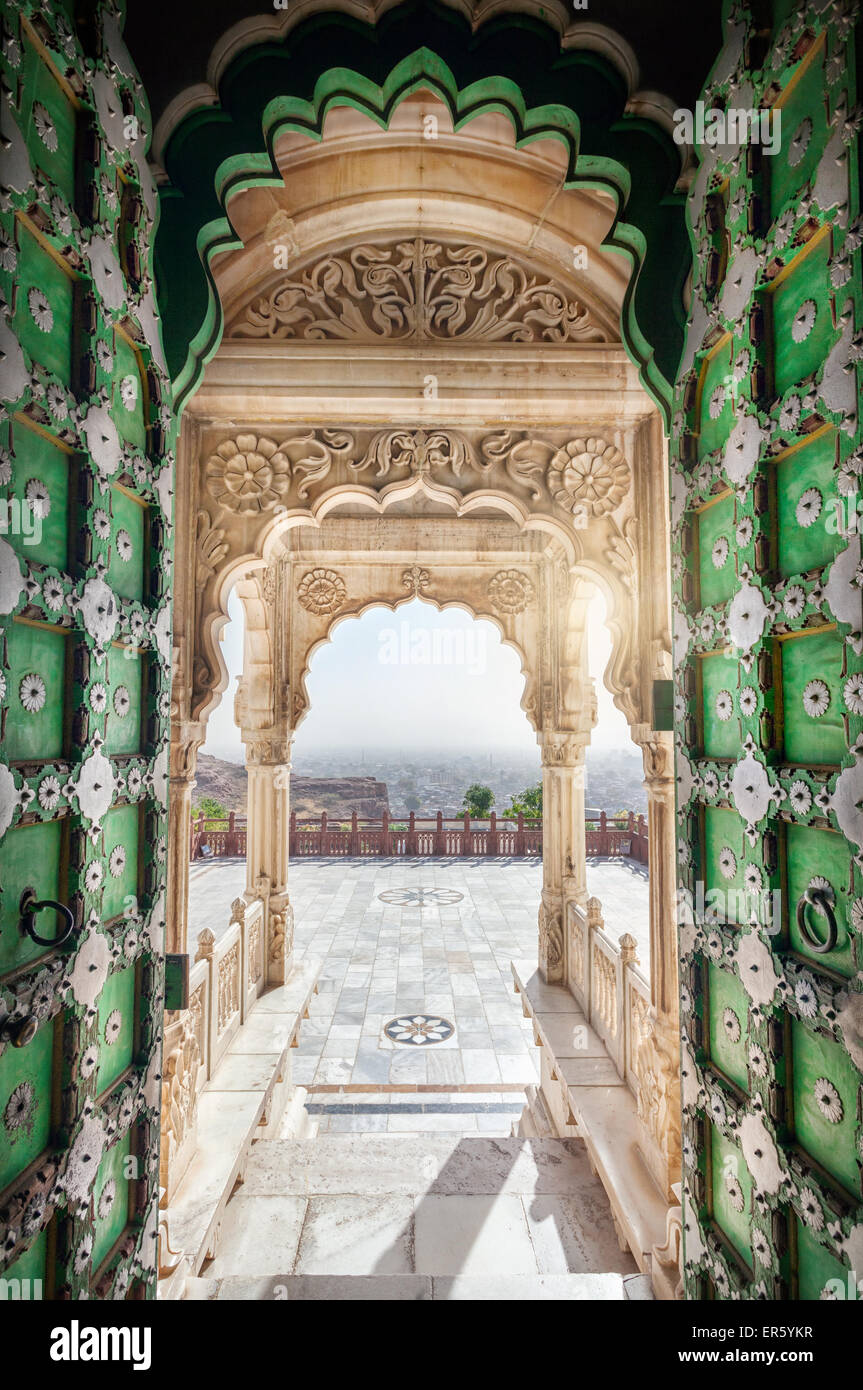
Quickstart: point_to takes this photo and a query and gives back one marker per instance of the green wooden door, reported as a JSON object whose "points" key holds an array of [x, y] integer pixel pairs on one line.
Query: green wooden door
{"points": [[84, 663], [766, 476]]}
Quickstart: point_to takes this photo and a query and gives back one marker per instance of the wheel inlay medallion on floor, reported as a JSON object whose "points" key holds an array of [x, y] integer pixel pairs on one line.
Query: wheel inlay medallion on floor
{"points": [[420, 1029], [420, 897]]}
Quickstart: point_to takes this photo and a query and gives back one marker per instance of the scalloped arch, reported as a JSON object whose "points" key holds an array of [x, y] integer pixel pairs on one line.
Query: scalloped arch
{"points": [[268, 89], [393, 604]]}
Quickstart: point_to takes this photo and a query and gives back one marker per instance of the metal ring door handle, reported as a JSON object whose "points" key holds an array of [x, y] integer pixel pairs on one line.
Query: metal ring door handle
{"points": [[816, 897], [30, 906]]}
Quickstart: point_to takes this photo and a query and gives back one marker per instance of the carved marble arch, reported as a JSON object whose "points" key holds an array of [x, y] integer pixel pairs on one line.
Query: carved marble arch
{"points": [[440, 254], [413, 582], [258, 655]]}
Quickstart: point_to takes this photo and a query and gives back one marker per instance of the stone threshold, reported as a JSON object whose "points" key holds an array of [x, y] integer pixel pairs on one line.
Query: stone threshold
{"points": [[585, 1097], [441, 1107], [407, 1088], [244, 1100], [424, 1288]]}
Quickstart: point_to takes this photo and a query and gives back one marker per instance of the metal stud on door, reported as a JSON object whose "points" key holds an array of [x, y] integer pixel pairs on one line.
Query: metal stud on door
{"points": [[84, 664]]}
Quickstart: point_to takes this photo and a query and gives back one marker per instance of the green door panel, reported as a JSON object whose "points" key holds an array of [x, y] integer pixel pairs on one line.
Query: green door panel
{"points": [[34, 715], [44, 307], [820, 1272], [720, 709], [812, 703], [128, 545], [43, 534], [716, 398], [826, 1087], [116, 1030], [124, 706], [28, 1277], [111, 1194], [725, 886], [728, 1024], [121, 837], [30, 857], [716, 549], [813, 857], [804, 131], [808, 518], [128, 399], [47, 121], [802, 322], [25, 1102], [731, 1194]]}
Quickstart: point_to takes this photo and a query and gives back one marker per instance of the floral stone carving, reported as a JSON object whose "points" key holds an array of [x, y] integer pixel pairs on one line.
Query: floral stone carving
{"points": [[510, 591], [322, 591], [588, 474], [248, 475], [419, 290]]}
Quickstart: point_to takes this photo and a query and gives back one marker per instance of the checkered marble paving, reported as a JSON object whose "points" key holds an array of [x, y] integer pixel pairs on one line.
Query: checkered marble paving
{"points": [[393, 959]]}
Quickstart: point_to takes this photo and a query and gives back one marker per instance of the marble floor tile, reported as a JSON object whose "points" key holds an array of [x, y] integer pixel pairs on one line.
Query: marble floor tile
{"points": [[480, 1065], [518, 1067]]}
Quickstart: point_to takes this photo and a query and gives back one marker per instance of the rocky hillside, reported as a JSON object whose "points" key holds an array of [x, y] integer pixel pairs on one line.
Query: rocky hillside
{"points": [[338, 796]]}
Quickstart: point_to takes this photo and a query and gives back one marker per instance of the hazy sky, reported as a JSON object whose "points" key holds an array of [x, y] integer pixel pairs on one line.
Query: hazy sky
{"points": [[413, 678]]}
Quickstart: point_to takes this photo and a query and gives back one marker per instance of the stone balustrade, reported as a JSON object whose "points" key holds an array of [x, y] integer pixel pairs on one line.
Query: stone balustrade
{"points": [[333, 835], [595, 1031], [607, 983]]}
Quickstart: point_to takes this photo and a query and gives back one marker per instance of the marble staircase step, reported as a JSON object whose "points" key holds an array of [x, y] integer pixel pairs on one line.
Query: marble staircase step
{"points": [[443, 1164], [423, 1288], [449, 1207]]}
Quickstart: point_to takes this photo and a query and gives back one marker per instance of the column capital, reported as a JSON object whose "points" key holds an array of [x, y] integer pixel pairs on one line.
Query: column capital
{"points": [[267, 747], [563, 747]]}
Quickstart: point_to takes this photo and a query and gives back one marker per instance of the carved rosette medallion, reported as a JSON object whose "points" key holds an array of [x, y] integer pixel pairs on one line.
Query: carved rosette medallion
{"points": [[322, 592], [510, 591], [248, 475], [588, 475]]}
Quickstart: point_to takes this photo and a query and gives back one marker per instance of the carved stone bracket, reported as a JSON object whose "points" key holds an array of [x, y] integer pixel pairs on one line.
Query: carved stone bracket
{"points": [[182, 1058], [551, 937], [280, 938]]}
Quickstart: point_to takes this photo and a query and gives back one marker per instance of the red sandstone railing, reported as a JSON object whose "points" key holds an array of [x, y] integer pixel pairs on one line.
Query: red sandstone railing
{"points": [[605, 836], [624, 836]]}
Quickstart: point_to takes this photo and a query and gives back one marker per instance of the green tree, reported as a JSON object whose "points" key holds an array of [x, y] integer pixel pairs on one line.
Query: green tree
{"points": [[527, 803], [211, 808], [413, 802], [478, 800]]}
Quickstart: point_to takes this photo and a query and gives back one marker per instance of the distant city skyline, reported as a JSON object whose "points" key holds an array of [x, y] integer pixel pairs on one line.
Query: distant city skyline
{"points": [[418, 679]]}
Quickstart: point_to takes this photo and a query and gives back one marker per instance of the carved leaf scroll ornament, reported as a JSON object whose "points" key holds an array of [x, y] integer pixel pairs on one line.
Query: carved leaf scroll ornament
{"points": [[419, 290], [421, 451]]}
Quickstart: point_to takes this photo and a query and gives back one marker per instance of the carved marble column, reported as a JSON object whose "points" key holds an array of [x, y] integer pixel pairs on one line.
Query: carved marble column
{"points": [[564, 871], [659, 1054], [268, 842], [186, 740]]}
